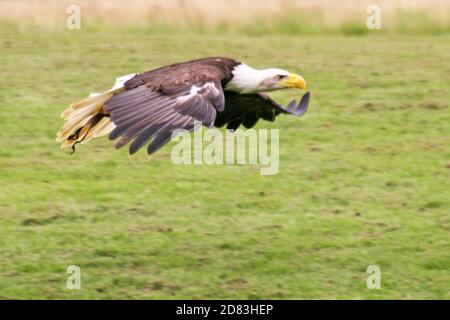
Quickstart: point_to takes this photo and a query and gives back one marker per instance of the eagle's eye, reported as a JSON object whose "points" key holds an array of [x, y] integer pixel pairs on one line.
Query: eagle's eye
{"points": [[280, 77]]}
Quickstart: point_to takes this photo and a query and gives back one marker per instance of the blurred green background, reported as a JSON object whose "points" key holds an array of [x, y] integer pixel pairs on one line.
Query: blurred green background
{"points": [[363, 180]]}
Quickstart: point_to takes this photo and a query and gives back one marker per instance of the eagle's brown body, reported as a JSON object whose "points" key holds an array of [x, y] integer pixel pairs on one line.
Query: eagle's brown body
{"points": [[189, 73], [152, 105]]}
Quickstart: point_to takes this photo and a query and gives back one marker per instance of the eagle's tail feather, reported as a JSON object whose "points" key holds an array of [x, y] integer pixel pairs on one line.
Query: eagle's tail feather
{"points": [[85, 120]]}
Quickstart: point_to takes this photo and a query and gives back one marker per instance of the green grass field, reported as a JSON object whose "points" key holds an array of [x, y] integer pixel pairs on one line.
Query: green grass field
{"points": [[363, 179]]}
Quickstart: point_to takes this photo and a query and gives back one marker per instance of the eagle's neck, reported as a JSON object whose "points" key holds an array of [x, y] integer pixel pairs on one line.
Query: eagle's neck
{"points": [[246, 79]]}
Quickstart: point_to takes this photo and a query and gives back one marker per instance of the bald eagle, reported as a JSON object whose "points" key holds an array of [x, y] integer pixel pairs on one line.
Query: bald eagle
{"points": [[151, 106]]}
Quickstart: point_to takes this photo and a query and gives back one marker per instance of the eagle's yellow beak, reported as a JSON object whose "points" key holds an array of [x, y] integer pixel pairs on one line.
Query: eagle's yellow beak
{"points": [[293, 81]]}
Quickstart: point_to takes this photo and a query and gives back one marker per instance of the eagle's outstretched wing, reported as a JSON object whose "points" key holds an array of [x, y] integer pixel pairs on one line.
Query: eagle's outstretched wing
{"points": [[247, 109], [148, 113], [156, 103]]}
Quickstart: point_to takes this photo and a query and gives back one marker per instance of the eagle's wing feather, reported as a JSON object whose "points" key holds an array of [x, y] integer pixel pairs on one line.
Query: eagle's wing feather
{"points": [[145, 113], [247, 109]]}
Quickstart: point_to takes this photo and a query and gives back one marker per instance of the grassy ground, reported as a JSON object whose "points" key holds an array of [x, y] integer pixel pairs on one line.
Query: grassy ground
{"points": [[364, 176]]}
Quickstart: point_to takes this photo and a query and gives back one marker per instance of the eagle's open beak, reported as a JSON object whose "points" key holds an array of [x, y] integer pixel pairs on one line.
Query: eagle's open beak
{"points": [[293, 81]]}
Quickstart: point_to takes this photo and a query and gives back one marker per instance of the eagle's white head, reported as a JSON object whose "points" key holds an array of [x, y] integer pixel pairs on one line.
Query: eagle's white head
{"points": [[248, 80]]}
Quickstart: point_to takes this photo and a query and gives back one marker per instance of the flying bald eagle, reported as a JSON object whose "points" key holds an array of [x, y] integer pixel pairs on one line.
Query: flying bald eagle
{"points": [[150, 106]]}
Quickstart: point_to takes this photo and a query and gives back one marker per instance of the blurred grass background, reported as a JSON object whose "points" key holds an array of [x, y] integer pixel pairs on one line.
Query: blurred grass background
{"points": [[364, 176], [233, 16]]}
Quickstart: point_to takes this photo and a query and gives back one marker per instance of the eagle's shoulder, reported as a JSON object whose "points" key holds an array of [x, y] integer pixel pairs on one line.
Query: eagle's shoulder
{"points": [[189, 72]]}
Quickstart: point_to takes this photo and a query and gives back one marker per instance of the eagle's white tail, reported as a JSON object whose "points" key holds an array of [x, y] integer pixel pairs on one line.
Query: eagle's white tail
{"points": [[87, 119]]}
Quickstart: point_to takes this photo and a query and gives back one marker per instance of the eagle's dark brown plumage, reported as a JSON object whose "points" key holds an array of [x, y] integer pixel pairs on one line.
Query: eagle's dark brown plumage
{"points": [[150, 106]]}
